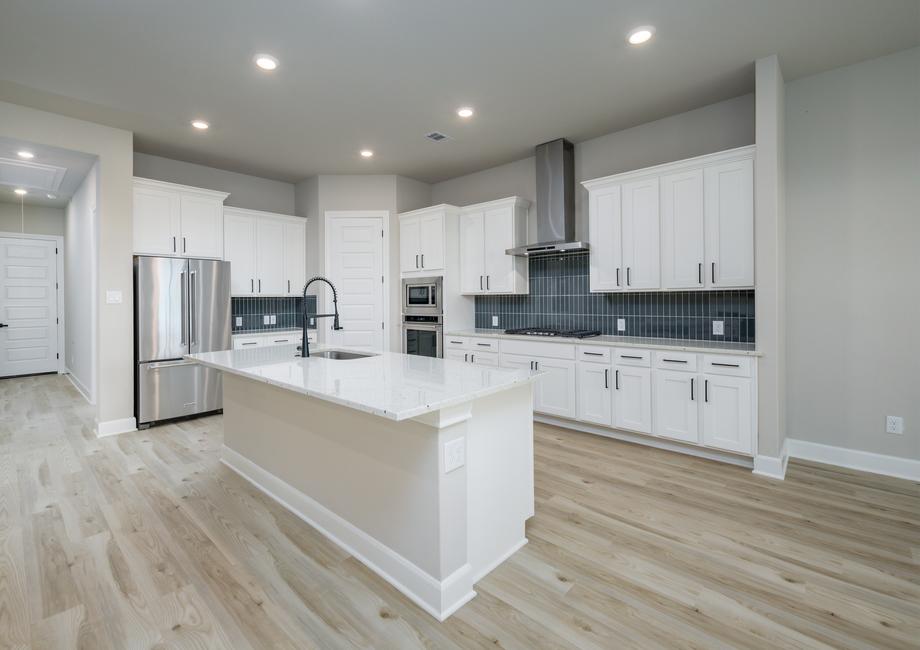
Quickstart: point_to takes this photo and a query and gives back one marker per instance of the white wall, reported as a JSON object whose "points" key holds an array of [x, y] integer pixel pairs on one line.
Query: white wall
{"points": [[246, 191], [80, 284], [39, 219], [115, 322], [724, 125], [853, 235]]}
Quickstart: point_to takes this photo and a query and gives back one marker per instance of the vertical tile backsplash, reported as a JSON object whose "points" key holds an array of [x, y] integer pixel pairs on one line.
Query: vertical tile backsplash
{"points": [[287, 313], [559, 298]]}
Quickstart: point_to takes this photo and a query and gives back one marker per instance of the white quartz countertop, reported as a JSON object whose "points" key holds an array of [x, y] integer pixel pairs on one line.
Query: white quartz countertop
{"points": [[389, 384], [746, 349]]}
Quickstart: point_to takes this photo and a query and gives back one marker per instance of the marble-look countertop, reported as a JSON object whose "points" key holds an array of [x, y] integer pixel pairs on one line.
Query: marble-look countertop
{"points": [[747, 349], [389, 384]]}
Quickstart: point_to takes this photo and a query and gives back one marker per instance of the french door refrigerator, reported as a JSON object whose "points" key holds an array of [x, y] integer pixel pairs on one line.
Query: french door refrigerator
{"points": [[181, 306]]}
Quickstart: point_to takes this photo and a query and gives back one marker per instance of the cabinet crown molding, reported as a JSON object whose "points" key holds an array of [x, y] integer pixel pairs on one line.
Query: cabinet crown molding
{"points": [[246, 212], [515, 201], [441, 207], [176, 187], [739, 153]]}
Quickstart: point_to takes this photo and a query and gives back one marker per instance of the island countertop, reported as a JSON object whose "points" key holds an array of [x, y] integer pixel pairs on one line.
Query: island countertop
{"points": [[389, 384]]}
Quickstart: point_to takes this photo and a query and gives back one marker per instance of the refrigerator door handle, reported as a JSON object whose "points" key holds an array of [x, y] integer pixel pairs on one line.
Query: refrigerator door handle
{"points": [[183, 302], [192, 307], [157, 365]]}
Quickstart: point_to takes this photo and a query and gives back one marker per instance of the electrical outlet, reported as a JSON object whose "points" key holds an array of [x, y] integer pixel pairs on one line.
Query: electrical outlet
{"points": [[266, 319], [894, 424], [239, 321], [621, 324], [718, 328], [454, 454], [273, 320], [495, 321], [312, 321]]}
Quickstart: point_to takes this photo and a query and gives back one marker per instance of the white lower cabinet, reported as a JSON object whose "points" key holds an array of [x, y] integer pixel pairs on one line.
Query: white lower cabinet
{"points": [[595, 401], [727, 418], [632, 398], [676, 397], [554, 392], [456, 355]]}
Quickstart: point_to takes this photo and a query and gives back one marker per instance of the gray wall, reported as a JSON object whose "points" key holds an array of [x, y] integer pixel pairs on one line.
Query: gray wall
{"points": [[39, 219], [712, 128], [245, 191], [853, 230]]}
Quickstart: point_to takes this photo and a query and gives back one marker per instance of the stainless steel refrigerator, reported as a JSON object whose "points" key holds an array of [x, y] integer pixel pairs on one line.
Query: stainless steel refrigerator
{"points": [[181, 306]]}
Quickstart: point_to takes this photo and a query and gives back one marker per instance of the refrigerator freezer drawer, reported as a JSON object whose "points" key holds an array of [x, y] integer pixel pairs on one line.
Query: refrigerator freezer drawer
{"points": [[172, 389]]}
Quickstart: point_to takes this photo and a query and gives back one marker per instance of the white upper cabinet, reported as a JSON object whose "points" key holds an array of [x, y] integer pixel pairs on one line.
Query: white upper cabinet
{"points": [[683, 225], [267, 253], [421, 239], [486, 231], [178, 220], [730, 223]]}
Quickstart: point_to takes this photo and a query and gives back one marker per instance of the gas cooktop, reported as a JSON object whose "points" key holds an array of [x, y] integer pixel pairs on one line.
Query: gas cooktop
{"points": [[545, 331]]}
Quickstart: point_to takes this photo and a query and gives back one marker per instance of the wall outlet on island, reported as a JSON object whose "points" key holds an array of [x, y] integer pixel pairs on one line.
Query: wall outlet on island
{"points": [[621, 324], [718, 328], [495, 321], [894, 424], [454, 454]]}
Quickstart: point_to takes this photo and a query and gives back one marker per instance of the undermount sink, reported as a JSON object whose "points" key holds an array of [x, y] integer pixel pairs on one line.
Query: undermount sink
{"points": [[340, 355]]}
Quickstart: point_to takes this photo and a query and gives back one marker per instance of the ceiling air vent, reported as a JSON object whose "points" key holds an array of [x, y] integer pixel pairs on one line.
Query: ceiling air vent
{"points": [[435, 136]]}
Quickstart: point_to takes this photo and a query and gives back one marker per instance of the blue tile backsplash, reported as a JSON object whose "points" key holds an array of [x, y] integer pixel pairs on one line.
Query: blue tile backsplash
{"points": [[287, 312], [559, 298]]}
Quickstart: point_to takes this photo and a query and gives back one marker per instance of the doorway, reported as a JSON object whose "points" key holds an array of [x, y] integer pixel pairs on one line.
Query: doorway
{"points": [[355, 264]]}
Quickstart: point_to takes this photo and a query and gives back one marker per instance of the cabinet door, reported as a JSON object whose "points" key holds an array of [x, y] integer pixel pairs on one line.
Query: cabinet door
{"points": [[682, 229], [727, 413], [632, 403], [730, 224], [202, 226], [431, 242], [295, 258], [156, 222], [456, 355], [472, 275], [554, 392], [641, 243], [269, 258], [488, 359], [498, 236], [676, 405], [409, 231], [595, 401], [604, 233], [240, 251]]}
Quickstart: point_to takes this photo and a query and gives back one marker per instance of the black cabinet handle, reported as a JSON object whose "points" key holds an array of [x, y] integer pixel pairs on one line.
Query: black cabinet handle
{"points": [[174, 243], [628, 281], [260, 285], [252, 285], [472, 358], [4, 325], [713, 272], [423, 260], [626, 356], [725, 365], [416, 260], [691, 389], [485, 345], [465, 355], [487, 283], [252, 343], [283, 341], [289, 286], [706, 390], [183, 244], [606, 375], [480, 283], [616, 379], [456, 342], [594, 354], [674, 360], [618, 276], [699, 273]]}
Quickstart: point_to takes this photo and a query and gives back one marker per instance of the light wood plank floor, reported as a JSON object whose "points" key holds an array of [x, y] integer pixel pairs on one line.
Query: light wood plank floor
{"points": [[144, 540]]}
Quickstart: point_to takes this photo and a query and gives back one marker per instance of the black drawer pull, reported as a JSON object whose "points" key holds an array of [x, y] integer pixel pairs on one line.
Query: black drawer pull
{"points": [[252, 343], [675, 360], [457, 342], [283, 341], [594, 354], [485, 345], [626, 356], [726, 365]]}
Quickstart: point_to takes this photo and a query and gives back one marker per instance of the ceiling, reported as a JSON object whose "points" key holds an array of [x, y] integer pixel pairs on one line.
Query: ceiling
{"points": [[380, 74], [52, 171]]}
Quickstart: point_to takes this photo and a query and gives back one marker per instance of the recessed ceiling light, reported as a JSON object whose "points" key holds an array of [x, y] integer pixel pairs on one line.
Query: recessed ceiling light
{"points": [[20, 191], [200, 125], [266, 61], [465, 111], [28, 155], [640, 35], [367, 153], [51, 196]]}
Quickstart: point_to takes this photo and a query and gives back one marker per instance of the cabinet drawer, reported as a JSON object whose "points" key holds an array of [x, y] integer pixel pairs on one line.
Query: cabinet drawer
{"points": [[676, 360], [594, 354], [631, 357], [483, 345], [456, 343], [243, 344], [285, 339], [539, 349], [719, 364]]}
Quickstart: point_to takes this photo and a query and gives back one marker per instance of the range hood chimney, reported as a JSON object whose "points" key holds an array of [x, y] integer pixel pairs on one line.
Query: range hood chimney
{"points": [[555, 201]]}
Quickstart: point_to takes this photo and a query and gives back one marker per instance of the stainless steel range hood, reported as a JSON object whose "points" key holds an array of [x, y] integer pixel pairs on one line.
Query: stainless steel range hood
{"points": [[555, 201]]}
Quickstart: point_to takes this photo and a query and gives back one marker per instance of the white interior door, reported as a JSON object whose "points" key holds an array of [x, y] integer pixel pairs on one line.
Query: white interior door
{"points": [[28, 306], [354, 264]]}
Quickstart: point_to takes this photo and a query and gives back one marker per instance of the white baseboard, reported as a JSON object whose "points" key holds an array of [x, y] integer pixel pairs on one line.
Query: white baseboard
{"points": [[114, 427], [648, 441], [440, 598], [865, 461], [83, 390], [772, 466]]}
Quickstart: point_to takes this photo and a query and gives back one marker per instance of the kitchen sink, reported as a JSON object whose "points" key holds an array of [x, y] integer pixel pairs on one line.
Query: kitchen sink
{"points": [[340, 355]]}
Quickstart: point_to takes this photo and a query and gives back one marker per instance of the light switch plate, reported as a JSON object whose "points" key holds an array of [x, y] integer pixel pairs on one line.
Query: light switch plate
{"points": [[239, 321], [454, 454], [495, 321], [718, 328], [112, 297], [266, 319], [621, 324], [273, 320], [894, 424]]}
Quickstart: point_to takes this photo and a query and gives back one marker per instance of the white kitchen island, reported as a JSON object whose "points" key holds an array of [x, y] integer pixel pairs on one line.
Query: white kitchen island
{"points": [[421, 468]]}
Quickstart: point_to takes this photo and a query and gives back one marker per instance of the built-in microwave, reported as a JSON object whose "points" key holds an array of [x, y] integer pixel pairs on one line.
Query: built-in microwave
{"points": [[422, 296]]}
